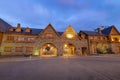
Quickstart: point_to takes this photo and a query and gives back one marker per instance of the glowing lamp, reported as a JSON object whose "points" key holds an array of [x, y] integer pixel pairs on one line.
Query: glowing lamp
{"points": [[65, 45], [112, 39], [36, 53]]}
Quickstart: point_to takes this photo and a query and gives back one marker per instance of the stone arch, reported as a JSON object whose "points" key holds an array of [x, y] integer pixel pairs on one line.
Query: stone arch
{"points": [[48, 50]]}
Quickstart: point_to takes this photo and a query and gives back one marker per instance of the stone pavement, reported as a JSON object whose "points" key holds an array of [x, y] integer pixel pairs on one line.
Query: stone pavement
{"points": [[60, 68]]}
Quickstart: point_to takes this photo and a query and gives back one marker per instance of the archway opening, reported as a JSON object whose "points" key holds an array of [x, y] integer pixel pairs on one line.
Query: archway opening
{"points": [[48, 50], [69, 50]]}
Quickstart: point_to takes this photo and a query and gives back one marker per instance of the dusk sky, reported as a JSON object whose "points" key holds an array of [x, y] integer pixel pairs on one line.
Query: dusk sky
{"points": [[81, 14]]}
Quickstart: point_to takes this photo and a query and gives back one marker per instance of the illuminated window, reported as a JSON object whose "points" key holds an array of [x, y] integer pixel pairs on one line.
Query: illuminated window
{"points": [[27, 30], [19, 49], [11, 29], [8, 49], [29, 49], [31, 39], [20, 38], [18, 30], [10, 38], [91, 37], [115, 39], [49, 35], [69, 36]]}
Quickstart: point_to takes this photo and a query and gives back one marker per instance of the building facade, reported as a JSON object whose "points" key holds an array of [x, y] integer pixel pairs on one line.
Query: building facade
{"points": [[48, 42]]}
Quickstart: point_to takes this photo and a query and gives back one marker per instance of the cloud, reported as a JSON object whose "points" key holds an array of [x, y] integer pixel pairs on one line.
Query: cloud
{"points": [[40, 10], [80, 14], [87, 15]]}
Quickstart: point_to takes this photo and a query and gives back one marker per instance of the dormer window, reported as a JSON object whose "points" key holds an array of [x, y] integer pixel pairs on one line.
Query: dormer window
{"points": [[11, 29], [18, 28], [28, 30]]}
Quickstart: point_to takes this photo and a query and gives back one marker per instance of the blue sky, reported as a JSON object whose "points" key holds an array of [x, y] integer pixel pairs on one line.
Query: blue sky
{"points": [[81, 14]]}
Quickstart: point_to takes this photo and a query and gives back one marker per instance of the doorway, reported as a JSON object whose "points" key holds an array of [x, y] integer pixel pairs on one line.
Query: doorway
{"points": [[69, 50], [48, 50]]}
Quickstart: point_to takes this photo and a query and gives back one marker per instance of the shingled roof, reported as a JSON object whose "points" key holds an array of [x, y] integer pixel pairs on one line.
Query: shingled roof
{"points": [[33, 31], [107, 31], [92, 33], [3, 25]]}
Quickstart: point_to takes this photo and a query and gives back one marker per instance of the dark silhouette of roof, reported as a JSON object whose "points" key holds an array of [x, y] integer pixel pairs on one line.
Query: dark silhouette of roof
{"points": [[107, 30], [3, 25], [60, 33], [92, 33], [33, 31]]}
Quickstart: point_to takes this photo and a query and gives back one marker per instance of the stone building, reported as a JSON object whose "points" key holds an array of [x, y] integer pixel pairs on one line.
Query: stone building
{"points": [[106, 40], [49, 42]]}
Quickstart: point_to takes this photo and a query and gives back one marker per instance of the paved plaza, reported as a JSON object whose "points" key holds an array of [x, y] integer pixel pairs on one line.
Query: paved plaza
{"points": [[60, 68]]}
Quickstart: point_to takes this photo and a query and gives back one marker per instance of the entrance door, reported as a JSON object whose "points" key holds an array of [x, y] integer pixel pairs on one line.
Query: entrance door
{"points": [[48, 50], [84, 51], [69, 50]]}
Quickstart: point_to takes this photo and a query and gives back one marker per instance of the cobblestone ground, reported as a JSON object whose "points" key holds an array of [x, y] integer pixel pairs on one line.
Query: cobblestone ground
{"points": [[59, 68]]}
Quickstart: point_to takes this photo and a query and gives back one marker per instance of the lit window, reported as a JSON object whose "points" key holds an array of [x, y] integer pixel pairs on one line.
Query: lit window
{"points": [[115, 39], [31, 39], [20, 38], [11, 29], [70, 36], [27, 30], [10, 38], [8, 49], [29, 49], [18, 30], [92, 37], [18, 49]]}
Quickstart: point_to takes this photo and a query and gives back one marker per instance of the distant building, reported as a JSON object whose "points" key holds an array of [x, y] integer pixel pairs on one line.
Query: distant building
{"points": [[49, 42]]}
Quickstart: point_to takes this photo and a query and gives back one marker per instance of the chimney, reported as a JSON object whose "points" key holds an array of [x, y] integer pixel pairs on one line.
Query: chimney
{"points": [[99, 30], [18, 25]]}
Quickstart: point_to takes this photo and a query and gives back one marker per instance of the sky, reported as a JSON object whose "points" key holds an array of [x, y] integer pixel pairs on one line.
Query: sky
{"points": [[81, 14]]}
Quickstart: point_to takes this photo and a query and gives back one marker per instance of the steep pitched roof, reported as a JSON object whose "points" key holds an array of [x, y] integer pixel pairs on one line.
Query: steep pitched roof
{"points": [[92, 33], [50, 26], [3, 25], [70, 29], [107, 31]]}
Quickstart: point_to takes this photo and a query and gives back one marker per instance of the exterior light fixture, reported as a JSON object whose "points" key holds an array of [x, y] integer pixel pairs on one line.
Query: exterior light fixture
{"points": [[36, 53], [112, 39], [65, 45]]}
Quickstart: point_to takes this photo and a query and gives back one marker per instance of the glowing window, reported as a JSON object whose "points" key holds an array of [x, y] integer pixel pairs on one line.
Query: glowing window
{"points": [[8, 49], [70, 36], [19, 49], [29, 49]]}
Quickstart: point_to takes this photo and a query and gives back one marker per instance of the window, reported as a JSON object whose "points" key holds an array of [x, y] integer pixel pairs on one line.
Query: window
{"points": [[49, 35], [11, 29], [31, 39], [20, 39], [69, 36], [29, 49], [27, 30], [8, 49], [18, 49], [115, 39], [91, 37], [10, 38]]}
